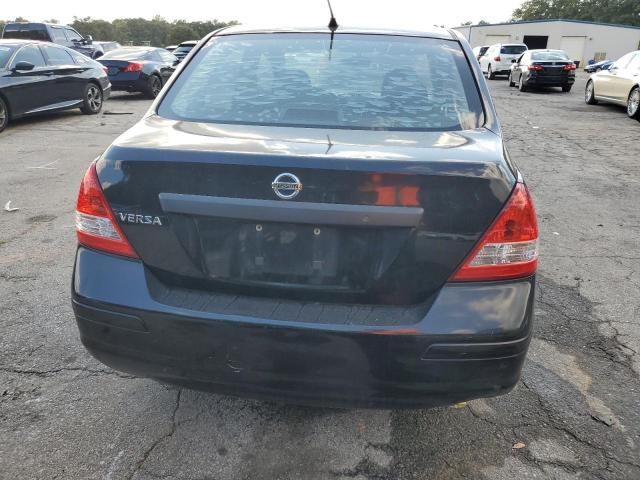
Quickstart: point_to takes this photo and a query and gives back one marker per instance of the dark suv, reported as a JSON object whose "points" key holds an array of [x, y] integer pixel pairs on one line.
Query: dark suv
{"points": [[54, 33], [317, 218]]}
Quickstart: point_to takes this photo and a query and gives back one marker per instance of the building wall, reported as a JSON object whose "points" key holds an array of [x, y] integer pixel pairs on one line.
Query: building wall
{"points": [[583, 41]]}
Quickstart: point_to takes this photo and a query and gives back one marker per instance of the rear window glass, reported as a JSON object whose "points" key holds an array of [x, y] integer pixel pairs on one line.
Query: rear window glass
{"points": [[377, 82], [27, 32], [549, 56], [57, 35], [126, 54], [184, 49], [513, 49], [5, 55]]}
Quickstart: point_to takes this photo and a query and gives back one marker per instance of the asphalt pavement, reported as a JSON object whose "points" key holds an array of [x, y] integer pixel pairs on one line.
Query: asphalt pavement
{"points": [[575, 414]]}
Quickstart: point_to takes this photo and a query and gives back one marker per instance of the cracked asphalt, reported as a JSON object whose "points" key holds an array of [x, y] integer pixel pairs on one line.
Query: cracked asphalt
{"points": [[575, 414]]}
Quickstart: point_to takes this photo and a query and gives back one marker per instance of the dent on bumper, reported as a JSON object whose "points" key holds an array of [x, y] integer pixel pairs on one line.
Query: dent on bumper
{"points": [[470, 344]]}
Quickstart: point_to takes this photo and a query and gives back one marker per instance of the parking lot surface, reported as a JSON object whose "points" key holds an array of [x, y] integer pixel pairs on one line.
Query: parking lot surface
{"points": [[575, 414]]}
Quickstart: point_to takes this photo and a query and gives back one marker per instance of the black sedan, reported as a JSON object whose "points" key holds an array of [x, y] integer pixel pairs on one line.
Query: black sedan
{"points": [[335, 224], [38, 77], [139, 69], [543, 68], [596, 67], [184, 48]]}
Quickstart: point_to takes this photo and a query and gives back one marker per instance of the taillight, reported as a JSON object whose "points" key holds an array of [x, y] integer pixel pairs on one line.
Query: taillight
{"points": [[133, 67], [509, 248], [497, 59], [96, 226], [569, 66], [535, 68]]}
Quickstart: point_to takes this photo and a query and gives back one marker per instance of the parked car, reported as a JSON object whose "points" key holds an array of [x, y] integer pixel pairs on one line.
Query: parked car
{"points": [[620, 85], [345, 230], [498, 58], [54, 33], [543, 68], [107, 46], [41, 77], [171, 48], [184, 48], [139, 69], [480, 51], [596, 67]]}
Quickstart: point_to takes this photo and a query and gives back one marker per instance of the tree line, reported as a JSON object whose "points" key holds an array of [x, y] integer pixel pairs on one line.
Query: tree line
{"points": [[157, 31], [160, 32], [607, 11]]}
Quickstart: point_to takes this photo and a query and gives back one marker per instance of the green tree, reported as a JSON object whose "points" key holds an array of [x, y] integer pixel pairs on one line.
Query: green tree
{"points": [[98, 29], [608, 11]]}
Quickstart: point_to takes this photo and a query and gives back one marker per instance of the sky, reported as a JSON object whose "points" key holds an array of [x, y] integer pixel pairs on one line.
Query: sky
{"points": [[410, 14]]}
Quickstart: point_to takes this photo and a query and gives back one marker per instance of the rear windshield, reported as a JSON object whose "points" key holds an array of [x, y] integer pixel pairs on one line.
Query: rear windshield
{"points": [[27, 32], [549, 56], [184, 49], [513, 49], [5, 54], [374, 82], [126, 54]]}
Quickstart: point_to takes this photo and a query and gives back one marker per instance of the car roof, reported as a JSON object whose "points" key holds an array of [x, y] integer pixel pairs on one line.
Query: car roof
{"points": [[17, 41], [133, 47], [48, 24], [436, 32]]}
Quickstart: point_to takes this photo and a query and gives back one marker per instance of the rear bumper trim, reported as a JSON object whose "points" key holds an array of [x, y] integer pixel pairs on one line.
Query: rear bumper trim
{"points": [[291, 212]]}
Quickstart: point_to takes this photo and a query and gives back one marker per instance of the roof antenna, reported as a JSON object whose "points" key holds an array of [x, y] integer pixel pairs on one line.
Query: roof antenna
{"points": [[333, 25]]}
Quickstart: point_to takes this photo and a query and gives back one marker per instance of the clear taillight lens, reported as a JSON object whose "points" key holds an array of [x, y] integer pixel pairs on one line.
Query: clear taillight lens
{"points": [[96, 226], [509, 248]]}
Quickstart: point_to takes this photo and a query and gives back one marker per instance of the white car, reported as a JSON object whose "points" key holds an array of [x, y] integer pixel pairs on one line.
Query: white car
{"points": [[498, 59], [478, 52]]}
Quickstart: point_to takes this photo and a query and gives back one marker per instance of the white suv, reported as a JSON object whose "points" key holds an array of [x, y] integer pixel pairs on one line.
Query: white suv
{"points": [[497, 60]]}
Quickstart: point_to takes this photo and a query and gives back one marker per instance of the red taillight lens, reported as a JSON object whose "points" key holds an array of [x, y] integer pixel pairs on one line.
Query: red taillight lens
{"points": [[497, 59], [509, 248], [570, 66], [133, 67], [535, 68], [96, 226]]}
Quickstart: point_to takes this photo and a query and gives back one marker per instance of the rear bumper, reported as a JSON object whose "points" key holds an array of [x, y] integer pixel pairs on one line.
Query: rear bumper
{"points": [[471, 344], [550, 81], [131, 85]]}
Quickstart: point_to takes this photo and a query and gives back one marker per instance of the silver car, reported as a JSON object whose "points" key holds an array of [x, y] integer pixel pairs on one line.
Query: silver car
{"points": [[619, 85]]}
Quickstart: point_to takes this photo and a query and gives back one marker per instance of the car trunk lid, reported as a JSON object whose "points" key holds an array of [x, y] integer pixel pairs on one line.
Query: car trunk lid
{"points": [[381, 217]]}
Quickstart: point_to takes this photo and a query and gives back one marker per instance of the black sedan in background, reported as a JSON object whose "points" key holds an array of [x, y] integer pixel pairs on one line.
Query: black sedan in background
{"points": [[596, 67], [139, 69], [37, 77], [543, 68], [184, 48]]}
